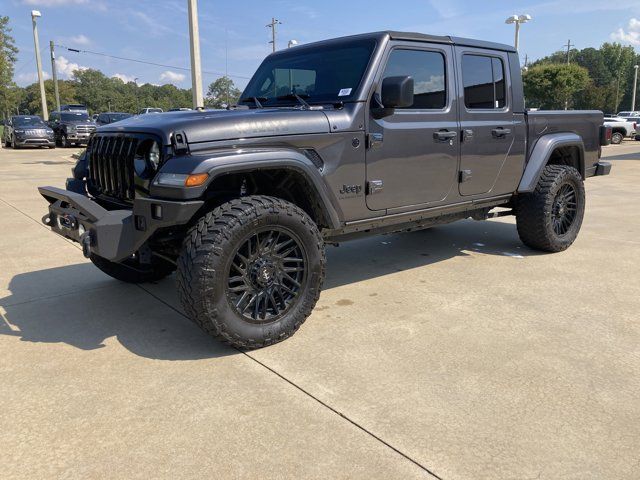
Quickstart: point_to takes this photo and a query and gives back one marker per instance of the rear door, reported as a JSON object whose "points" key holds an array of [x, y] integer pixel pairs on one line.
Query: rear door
{"points": [[488, 130], [412, 156]]}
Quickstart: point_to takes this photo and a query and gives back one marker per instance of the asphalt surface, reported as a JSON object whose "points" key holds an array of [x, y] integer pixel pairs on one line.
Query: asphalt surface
{"points": [[452, 353]]}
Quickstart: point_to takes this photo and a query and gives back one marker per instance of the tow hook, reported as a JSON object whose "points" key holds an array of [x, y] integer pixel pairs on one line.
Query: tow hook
{"points": [[85, 241]]}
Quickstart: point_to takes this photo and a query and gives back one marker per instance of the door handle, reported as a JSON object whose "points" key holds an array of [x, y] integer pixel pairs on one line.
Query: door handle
{"points": [[500, 132], [444, 135]]}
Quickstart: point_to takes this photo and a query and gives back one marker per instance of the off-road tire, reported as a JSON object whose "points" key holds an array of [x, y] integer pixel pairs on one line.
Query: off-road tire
{"points": [[132, 273], [616, 138], [209, 250], [7, 143], [535, 210]]}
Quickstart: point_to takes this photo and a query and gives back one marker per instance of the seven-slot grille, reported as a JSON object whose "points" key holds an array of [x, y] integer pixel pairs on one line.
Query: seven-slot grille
{"points": [[111, 169]]}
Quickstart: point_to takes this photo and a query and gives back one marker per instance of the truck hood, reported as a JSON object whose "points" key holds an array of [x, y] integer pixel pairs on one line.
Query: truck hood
{"points": [[213, 125]]}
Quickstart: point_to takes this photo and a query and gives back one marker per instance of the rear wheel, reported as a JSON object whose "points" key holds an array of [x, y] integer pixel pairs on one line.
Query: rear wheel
{"points": [[132, 271], [616, 138], [251, 271], [550, 217]]}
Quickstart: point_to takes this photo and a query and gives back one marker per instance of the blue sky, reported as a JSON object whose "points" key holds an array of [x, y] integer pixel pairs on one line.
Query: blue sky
{"points": [[157, 30]]}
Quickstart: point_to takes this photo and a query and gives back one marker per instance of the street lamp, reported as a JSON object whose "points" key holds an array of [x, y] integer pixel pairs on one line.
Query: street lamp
{"points": [[45, 113], [292, 43], [635, 85], [518, 19]]}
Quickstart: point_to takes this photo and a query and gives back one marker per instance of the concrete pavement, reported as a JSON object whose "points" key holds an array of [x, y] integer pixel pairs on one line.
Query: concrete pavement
{"points": [[454, 352]]}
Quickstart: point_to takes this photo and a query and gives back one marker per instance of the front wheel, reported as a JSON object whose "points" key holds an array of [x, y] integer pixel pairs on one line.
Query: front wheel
{"points": [[251, 271], [550, 217], [64, 142]]}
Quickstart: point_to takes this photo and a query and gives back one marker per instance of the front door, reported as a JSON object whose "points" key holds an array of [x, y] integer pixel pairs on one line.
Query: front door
{"points": [[486, 120], [412, 155]]}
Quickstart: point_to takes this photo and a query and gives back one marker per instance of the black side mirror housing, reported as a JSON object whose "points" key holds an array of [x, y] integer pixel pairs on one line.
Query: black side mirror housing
{"points": [[397, 92]]}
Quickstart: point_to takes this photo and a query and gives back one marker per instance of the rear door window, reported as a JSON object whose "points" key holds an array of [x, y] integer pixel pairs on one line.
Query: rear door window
{"points": [[484, 82]]}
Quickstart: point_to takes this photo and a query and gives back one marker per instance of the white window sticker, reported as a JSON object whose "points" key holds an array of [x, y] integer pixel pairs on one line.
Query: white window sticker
{"points": [[344, 92]]}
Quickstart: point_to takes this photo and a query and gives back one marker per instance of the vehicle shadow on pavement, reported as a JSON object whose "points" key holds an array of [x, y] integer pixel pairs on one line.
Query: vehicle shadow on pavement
{"points": [[383, 255], [88, 317], [81, 307]]}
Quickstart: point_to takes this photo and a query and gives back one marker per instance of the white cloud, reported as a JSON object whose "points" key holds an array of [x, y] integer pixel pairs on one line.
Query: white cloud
{"points": [[631, 35], [66, 68], [124, 77], [172, 77], [54, 3], [434, 84], [80, 40], [31, 77]]}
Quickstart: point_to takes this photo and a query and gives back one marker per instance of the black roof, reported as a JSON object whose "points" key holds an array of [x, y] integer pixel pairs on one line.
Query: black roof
{"points": [[417, 37]]}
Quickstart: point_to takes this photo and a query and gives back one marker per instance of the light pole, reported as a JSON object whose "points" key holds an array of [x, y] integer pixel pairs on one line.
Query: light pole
{"points": [[54, 74], [135, 80], [635, 86], [517, 20], [272, 26], [196, 69], [45, 113]]}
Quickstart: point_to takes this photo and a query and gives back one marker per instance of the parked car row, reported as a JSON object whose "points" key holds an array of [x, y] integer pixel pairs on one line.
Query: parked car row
{"points": [[621, 128], [71, 125]]}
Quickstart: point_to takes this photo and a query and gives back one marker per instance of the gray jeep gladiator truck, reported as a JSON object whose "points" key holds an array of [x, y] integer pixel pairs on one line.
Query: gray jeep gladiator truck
{"points": [[375, 133]]}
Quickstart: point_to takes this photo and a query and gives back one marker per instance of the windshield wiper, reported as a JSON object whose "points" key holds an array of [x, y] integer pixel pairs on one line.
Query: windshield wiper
{"points": [[256, 100], [295, 96]]}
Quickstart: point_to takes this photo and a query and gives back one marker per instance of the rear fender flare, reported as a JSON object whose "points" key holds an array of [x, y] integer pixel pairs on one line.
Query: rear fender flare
{"points": [[541, 153]]}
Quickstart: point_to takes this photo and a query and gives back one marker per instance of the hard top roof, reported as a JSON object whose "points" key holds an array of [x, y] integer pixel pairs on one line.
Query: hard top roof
{"points": [[416, 37]]}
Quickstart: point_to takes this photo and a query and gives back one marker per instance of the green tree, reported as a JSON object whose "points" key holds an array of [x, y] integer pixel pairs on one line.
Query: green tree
{"points": [[611, 70], [222, 92], [551, 86], [8, 53]]}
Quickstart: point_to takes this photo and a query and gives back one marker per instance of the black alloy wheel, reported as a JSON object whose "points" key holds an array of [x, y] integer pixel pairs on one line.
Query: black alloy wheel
{"points": [[266, 275]]}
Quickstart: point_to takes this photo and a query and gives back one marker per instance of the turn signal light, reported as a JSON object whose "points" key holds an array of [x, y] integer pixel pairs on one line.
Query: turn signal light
{"points": [[196, 179]]}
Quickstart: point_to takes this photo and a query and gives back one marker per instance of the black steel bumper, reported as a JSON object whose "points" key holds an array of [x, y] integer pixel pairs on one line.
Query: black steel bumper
{"points": [[111, 234]]}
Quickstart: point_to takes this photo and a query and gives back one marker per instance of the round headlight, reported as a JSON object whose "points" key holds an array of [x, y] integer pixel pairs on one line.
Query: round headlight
{"points": [[153, 156]]}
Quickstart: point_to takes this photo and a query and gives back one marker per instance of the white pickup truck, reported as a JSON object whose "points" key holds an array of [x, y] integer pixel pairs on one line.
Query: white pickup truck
{"points": [[620, 128]]}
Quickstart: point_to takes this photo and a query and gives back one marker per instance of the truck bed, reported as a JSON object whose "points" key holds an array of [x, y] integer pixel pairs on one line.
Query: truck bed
{"points": [[584, 123]]}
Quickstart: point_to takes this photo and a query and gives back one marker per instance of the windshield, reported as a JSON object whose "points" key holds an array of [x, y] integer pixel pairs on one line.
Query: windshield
{"points": [[115, 117], [74, 117], [323, 74], [27, 122]]}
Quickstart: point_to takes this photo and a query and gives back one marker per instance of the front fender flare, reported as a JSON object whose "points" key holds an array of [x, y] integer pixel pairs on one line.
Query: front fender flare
{"points": [[239, 160], [541, 153]]}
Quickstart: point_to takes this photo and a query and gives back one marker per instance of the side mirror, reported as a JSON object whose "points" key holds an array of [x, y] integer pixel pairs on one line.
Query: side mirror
{"points": [[397, 92]]}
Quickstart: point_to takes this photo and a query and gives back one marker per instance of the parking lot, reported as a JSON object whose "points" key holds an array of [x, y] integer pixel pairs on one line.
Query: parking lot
{"points": [[452, 353]]}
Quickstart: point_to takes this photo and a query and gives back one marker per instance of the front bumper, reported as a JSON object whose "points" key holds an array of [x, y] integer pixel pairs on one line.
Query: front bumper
{"points": [[112, 234], [81, 138], [35, 142]]}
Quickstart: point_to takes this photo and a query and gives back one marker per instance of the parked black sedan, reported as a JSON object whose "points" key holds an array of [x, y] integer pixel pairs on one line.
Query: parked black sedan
{"points": [[111, 117], [27, 131]]}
